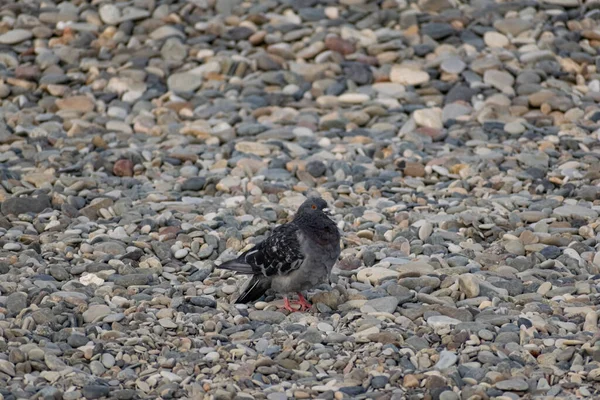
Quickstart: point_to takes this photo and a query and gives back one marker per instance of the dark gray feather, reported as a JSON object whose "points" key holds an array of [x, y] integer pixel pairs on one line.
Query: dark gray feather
{"points": [[257, 286], [235, 265]]}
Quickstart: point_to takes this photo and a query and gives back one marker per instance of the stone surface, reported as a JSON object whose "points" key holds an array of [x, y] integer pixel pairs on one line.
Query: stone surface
{"points": [[143, 143], [408, 76], [96, 312], [15, 36]]}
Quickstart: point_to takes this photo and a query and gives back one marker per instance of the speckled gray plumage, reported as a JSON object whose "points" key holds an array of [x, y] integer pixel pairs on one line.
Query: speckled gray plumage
{"points": [[297, 256]]}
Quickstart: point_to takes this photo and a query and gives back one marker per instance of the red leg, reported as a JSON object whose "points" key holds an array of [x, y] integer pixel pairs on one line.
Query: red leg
{"points": [[304, 304], [286, 305]]}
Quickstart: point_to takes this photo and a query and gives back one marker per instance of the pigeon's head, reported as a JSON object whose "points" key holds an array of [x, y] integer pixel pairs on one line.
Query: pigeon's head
{"points": [[314, 205]]}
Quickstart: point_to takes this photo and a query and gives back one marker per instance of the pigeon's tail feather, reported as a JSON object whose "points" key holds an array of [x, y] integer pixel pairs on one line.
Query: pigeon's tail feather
{"points": [[257, 286], [236, 265]]}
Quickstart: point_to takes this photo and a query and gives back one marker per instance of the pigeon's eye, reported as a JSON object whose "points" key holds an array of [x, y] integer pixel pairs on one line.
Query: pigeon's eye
{"points": [[314, 206]]}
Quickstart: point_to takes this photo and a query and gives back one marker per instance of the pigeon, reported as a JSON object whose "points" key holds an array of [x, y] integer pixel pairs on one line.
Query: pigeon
{"points": [[296, 256]]}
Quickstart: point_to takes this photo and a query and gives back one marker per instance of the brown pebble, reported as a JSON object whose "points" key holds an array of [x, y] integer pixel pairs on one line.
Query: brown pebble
{"points": [[414, 169], [76, 103], [99, 142], [410, 381], [123, 168], [340, 45]]}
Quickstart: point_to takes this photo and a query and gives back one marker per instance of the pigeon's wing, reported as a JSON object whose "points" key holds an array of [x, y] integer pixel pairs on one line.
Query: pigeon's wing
{"points": [[237, 265], [279, 254], [255, 288]]}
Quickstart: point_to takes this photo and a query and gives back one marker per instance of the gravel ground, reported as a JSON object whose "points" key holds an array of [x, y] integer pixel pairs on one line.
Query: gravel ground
{"points": [[143, 141]]}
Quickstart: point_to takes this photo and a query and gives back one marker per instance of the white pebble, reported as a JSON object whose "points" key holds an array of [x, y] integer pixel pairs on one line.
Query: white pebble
{"points": [[89, 279], [324, 327], [228, 289], [181, 253], [12, 246], [332, 12], [212, 356]]}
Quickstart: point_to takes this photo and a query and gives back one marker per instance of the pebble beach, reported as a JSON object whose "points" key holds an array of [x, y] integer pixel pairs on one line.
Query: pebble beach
{"points": [[144, 142]]}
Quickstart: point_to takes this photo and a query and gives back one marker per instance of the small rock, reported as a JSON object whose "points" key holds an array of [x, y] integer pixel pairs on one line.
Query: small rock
{"points": [[96, 312], [518, 385], [447, 359], [16, 302], [123, 167], [272, 317], [408, 76], [429, 117], [575, 211], [469, 285], [442, 321], [95, 391], [15, 36], [82, 104], [339, 45], [495, 39], [23, 205], [316, 168], [376, 275], [386, 304], [109, 14], [7, 367]]}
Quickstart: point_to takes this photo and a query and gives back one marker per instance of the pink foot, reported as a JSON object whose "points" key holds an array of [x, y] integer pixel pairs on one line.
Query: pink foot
{"points": [[304, 304], [287, 306]]}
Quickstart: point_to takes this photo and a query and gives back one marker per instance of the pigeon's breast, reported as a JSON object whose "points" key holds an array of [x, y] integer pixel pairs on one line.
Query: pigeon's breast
{"points": [[315, 269], [309, 275]]}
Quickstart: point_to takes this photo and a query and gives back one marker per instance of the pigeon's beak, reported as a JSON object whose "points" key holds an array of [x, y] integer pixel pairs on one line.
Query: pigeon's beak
{"points": [[327, 211]]}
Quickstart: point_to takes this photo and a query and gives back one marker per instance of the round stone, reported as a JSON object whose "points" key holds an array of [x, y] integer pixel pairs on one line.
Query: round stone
{"points": [[495, 39], [453, 65]]}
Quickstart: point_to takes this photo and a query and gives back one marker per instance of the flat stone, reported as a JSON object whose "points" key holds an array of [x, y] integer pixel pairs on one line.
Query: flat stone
{"points": [[376, 275], [453, 65], [442, 321], [501, 80], [81, 104], [23, 205], [408, 76], [573, 211], [91, 392], [469, 285], [429, 117], [518, 385], [166, 31], [386, 304], [96, 312], [258, 149], [183, 82], [454, 111], [512, 26], [74, 298], [133, 280], [15, 36], [389, 89], [413, 268], [7, 367], [274, 317], [109, 14], [514, 128], [167, 323], [495, 39], [562, 3], [16, 302], [447, 360]]}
